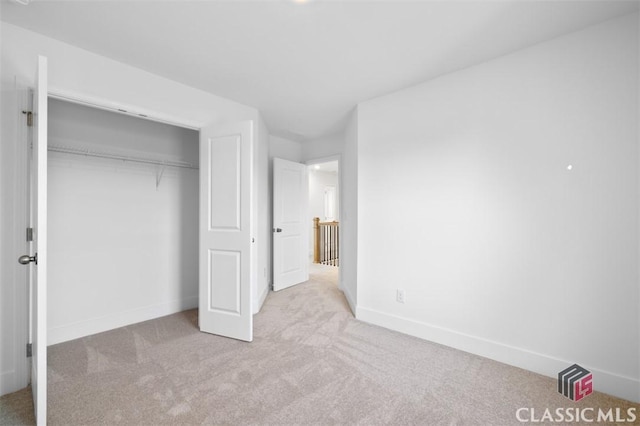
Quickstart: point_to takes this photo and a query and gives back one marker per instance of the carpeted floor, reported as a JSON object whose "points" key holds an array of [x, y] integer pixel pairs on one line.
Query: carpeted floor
{"points": [[310, 362], [17, 408]]}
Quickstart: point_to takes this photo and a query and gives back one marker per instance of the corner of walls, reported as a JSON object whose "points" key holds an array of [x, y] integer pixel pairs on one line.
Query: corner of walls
{"points": [[258, 301], [349, 214], [285, 149], [324, 147], [263, 272], [351, 300], [87, 327]]}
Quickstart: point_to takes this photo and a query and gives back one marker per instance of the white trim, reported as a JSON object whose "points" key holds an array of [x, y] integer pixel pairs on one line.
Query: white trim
{"points": [[131, 110], [8, 380], [257, 306], [604, 381], [328, 159], [121, 319], [350, 300]]}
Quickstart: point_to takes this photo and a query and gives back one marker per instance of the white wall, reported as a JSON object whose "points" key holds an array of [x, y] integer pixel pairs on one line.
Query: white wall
{"points": [[501, 250], [78, 73], [263, 212], [349, 214], [121, 250], [318, 181], [324, 147], [285, 149]]}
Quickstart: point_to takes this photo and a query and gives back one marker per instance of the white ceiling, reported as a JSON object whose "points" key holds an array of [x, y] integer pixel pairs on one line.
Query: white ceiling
{"points": [[305, 66]]}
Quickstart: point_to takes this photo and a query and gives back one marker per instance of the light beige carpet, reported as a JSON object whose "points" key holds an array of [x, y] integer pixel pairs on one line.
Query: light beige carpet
{"points": [[17, 408], [311, 362]]}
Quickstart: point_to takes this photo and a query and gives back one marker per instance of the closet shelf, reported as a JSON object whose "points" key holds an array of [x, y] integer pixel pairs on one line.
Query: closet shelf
{"points": [[90, 153]]}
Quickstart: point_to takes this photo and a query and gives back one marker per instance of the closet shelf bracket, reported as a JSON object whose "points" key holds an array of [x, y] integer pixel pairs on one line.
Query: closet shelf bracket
{"points": [[159, 174]]}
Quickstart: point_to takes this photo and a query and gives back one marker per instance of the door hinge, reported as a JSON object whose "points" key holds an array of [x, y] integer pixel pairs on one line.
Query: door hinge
{"points": [[29, 115], [29, 234], [29, 350]]}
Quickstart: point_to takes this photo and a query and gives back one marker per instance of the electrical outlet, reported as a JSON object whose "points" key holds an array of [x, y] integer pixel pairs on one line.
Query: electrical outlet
{"points": [[400, 297]]}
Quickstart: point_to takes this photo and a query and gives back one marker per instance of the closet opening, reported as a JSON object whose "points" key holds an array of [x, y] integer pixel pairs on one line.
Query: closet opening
{"points": [[123, 220]]}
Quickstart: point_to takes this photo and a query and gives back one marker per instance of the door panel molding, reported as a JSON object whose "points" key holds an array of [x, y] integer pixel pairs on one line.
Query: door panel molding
{"points": [[226, 180]]}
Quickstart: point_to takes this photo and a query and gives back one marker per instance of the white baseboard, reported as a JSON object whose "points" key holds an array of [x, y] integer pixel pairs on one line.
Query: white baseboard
{"points": [[350, 300], [18, 377], [620, 386], [8, 382], [257, 305], [109, 322]]}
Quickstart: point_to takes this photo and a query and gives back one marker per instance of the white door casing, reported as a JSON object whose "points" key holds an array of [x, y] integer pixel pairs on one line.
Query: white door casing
{"points": [[226, 153], [290, 224]]}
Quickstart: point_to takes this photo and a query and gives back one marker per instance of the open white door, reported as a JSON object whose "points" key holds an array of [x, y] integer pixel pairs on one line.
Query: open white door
{"points": [[226, 153], [37, 260], [290, 224]]}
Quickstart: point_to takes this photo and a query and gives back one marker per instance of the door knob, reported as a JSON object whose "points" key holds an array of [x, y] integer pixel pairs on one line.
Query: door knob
{"points": [[26, 259], [277, 230]]}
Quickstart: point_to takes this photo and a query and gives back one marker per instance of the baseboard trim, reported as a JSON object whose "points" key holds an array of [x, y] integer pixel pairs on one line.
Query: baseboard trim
{"points": [[257, 306], [610, 383], [109, 322], [8, 382], [350, 300]]}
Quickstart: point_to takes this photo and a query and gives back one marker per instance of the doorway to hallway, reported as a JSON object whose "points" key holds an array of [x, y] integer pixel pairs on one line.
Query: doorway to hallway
{"points": [[324, 217]]}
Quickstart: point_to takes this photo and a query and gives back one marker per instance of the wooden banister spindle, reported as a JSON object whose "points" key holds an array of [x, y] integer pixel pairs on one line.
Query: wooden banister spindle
{"points": [[333, 244], [316, 240], [326, 244], [337, 246], [329, 245]]}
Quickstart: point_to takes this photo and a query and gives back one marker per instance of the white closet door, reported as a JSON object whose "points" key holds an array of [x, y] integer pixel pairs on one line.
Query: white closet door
{"points": [[226, 153], [37, 260]]}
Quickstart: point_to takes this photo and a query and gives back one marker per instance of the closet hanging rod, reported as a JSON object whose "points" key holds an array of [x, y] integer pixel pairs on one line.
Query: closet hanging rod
{"points": [[89, 153]]}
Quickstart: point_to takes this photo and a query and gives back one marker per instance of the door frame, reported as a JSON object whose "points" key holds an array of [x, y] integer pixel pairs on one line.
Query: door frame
{"points": [[328, 159]]}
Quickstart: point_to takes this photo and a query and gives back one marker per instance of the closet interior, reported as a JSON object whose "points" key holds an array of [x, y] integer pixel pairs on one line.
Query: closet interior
{"points": [[123, 220]]}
